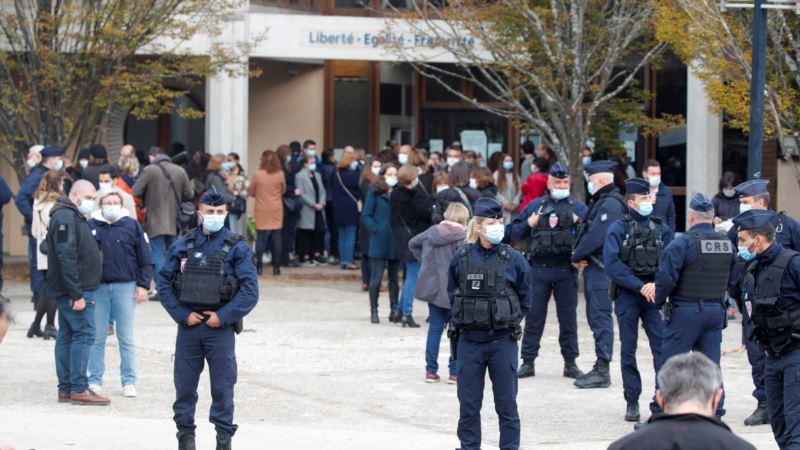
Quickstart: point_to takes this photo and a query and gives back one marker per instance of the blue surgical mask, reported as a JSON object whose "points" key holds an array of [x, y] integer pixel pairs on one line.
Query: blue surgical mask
{"points": [[227, 166], [213, 222], [288, 159], [58, 165], [645, 208], [402, 158], [495, 233], [744, 207], [559, 194], [86, 207], [745, 253], [654, 181], [112, 212], [590, 187], [586, 160], [391, 181], [312, 167], [508, 165], [311, 153]]}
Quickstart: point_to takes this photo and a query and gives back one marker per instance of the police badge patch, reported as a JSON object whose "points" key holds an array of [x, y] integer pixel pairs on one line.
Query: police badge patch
{"points": [[603, 217], [553, 220]]}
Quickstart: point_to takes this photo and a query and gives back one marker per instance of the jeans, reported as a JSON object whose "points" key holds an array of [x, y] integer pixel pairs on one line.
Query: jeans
{"points": [[263, 238], [232, 220], [347, 243], [439, 317], [158, 247], [76, 330], [119, 300], [406, 304]]}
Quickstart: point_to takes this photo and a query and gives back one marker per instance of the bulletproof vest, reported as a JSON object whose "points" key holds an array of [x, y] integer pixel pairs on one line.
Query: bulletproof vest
{"points": [[553, 234], [592, 214], [202, 280], [773, 323], [484, 300], [642, 247], [706, 278]]}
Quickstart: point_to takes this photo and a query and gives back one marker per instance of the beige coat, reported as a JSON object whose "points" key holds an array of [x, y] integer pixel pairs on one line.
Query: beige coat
{"points": [[162, 206], [268, 190], [41, 220]]}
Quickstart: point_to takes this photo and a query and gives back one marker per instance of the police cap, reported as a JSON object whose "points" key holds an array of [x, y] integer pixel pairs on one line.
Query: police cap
{"points": [[212, 197], [755, 218], [52, 150], [98, 151], [601, 167], [751, 188], [557, 170], [488, 207], [701, 203], [637, 186]]}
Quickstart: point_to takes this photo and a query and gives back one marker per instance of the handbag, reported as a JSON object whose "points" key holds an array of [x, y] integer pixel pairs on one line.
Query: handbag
{"points": [[185, 213], [293, 204], [359, 205]]}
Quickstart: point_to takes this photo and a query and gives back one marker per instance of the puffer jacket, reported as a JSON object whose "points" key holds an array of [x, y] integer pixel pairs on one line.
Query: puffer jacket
{"points": [[435, 248]]}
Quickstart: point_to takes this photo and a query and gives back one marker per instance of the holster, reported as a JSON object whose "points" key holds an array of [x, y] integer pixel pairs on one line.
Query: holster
{"points": [[238, 326], [613, 290], [667, 310], [453, 335]]}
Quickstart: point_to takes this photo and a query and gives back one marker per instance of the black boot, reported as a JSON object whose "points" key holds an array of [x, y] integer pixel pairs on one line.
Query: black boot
{"points": [[223, 442], [597, 378], [394, 315], [276, 270], [34, 330], [632, 413], [186, 441], [50, 332], [527, 369], [259, 267], [571, 369], [759, 417], [373, 306], [408, 321]]}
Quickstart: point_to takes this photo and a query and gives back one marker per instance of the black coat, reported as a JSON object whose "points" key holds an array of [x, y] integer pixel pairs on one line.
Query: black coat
{"points": [[682, 432], [411, 215], [74, 262]]}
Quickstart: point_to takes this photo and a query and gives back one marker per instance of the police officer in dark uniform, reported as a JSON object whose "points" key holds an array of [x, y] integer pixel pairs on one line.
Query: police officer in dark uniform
{"points": [[606, 206], [754, 195], [550, 222], [691, 282], [771, 288], [490, 292], [633, 247], [208, 284]]}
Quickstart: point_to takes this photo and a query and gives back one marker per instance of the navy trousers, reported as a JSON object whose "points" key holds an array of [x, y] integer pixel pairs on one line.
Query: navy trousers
{"points": [[630, 307], [782, 383], [695, 329], [598, 311], [193, 347], [559, 281], [500, 358], [755, 356]]}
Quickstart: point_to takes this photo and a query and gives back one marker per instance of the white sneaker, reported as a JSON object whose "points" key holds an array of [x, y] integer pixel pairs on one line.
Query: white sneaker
{"points": [[129, 391], [96, 388]]}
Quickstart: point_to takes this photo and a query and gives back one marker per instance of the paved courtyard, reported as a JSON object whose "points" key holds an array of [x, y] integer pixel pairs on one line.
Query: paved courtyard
{"points": [[315, 374]]}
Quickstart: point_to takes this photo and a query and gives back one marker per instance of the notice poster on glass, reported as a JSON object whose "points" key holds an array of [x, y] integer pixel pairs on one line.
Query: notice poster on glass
{"points": [[436, 145], [476, 141], [494, 147]]}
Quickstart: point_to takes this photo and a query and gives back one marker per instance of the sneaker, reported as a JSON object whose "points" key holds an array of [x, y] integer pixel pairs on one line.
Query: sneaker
{"points": [[453, 379], [96, 388], [309, 263], [129, 391], [432, 377]]}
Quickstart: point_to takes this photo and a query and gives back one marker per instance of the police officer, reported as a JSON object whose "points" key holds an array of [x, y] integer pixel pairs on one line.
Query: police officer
{"points": [[606, 206], [633, 247], [549, 222], [490, 292], [207, 284], [694, 272], [771, 287], [753, 194]]}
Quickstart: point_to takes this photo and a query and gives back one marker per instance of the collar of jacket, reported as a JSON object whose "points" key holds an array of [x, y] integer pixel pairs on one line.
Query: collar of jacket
{"points": [[64, 202]]}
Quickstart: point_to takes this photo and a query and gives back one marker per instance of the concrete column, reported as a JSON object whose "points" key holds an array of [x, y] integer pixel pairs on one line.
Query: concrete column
{"points": [[703, 141], [227, 99]]}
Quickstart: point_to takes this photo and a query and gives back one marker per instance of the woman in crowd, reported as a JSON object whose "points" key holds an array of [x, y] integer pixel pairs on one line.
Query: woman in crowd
{"points": [[495, 161], [726, 203], [411, 215], [311, 225], [268, 187], [327, 170], [216, 177], [435, 249], [382, 253], [536, 183], [128, 170], [50, 188], [237, 185], [346, 206], [444, 195], [127, 273], [483, 181], [420, 158], [508, 189], [369, 176], [459, 178], [292, 204]]}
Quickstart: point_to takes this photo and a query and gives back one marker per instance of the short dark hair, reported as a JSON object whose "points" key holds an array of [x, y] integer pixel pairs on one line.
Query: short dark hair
{"points": [[651, 163], [542, 164], [308, 142], [108, 170], [728, 179], [528, 147], [294, 146], [234, 155], [155, 151], [767, 231]]}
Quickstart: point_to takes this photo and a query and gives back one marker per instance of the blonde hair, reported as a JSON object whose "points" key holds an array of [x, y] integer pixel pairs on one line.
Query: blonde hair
{"points": [[472, 234], [457, 212], [128, 165], [407, 174]]}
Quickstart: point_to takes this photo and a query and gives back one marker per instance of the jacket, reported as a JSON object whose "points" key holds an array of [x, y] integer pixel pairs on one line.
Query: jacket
{"points": [[126, 249], [41, 220], [533, 188], [435, 248], [682, 432], [363, 232], [74, 262], [5, 193], [377, 219], [411, 215], [308, 214], [30, 184], [162, 206], [725, 207], [345, 210], [664, 208], [268, 189], [216, 180], [123, 186]]}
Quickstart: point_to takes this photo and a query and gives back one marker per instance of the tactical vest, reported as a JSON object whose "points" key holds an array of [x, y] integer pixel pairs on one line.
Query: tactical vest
{"points": [[202, 280], [773, 323], [553, 234], [642, 247], [592, 213], [706, 278], [484, 300]]}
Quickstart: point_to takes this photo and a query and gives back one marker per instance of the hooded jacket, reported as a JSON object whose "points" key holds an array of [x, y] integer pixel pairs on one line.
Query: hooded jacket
{"points": [[74, 262], [435, 248], [125, 247]]}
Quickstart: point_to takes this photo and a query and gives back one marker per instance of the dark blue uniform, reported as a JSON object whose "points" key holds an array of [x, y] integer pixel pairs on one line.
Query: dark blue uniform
{"points": [[195, 344], [24, 202], [550, 275], [696, 324], [496, 351], [664, 207], [603, 211], [631, 306]]}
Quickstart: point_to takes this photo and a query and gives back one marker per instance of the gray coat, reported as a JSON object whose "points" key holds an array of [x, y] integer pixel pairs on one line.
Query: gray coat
{"points": [[435, 248], [158, 197], [303, 182]]}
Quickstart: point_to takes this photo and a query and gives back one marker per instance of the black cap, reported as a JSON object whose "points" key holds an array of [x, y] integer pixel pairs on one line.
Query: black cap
{"points": [[212, 197]]}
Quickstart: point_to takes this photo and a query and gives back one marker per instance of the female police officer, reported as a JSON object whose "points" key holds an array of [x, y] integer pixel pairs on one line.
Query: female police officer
{"points": [[490, 292]]}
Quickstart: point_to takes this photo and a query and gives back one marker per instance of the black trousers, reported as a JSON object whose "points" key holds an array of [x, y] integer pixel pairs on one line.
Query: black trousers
{"points": [[262, 238], [310, 243]]}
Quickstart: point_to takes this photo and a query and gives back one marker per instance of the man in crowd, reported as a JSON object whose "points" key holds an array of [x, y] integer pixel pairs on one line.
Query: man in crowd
{"points": [[665, 205], [98, 161], [107, 179], [454, 155]]}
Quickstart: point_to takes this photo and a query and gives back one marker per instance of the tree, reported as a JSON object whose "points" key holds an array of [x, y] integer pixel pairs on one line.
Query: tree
{"points": [[551, 66], [65, 63]]}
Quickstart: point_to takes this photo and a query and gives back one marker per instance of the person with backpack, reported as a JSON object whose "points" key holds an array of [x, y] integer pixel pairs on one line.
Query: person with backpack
{"points": [[444, 195]]}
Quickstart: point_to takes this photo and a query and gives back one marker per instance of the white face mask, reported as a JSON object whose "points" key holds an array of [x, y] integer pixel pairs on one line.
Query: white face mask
{"points": [[453, 161], [559, 194], [744, 207], [376, 171], [84, 163], [112, 212], [354, 165], [104, 186], [86, 207], [402, 158], [473, 183], [31, 163], [729, 192], [654, 181], [441, 188], [391, 181]]}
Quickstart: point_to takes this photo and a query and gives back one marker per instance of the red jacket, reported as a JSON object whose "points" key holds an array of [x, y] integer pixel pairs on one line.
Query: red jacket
{"points": [[533, 188]]}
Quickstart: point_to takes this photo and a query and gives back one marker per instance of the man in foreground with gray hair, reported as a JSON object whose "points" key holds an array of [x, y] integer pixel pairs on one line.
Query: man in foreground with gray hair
{"points": [[690, 390]]}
